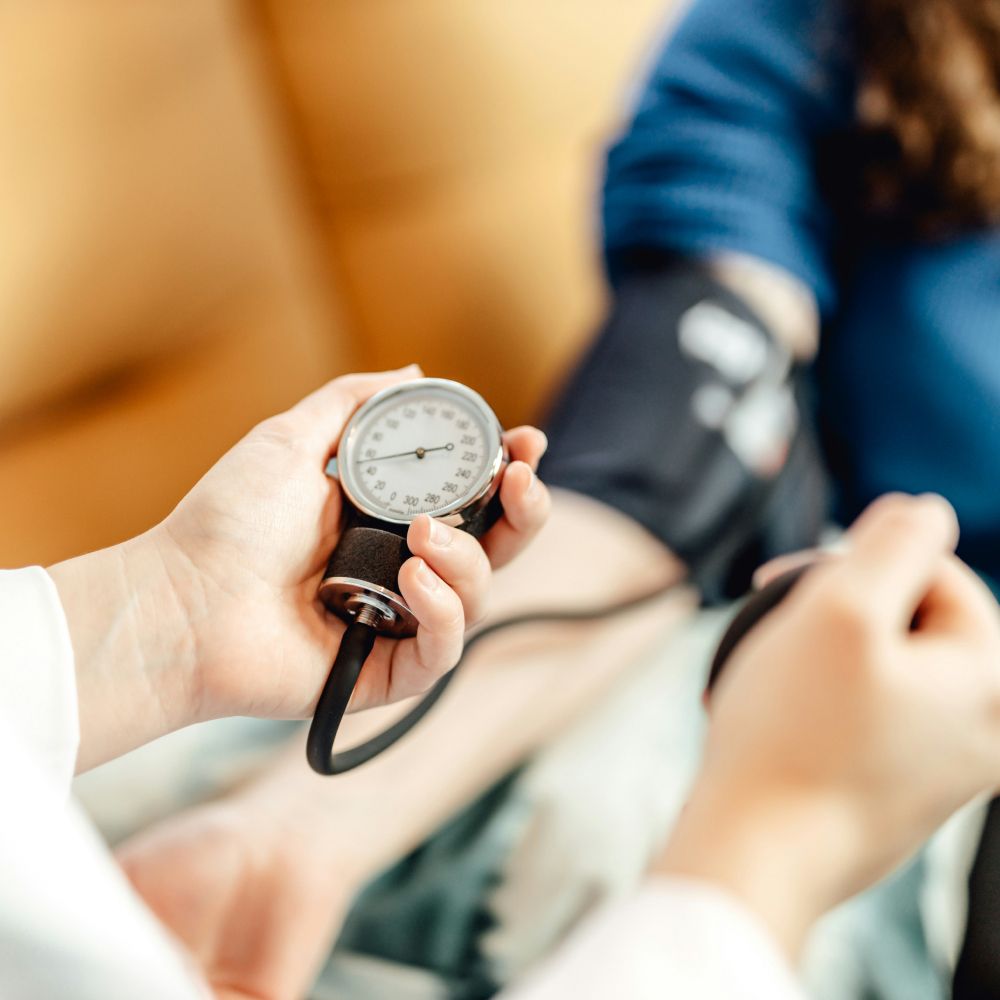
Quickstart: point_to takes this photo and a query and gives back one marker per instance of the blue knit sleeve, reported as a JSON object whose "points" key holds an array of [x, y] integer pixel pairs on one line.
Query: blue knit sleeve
{"points": [[722, 151]]}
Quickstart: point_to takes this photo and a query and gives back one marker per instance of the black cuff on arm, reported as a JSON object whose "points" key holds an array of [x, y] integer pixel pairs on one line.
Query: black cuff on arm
{"points": [[682, 416]]}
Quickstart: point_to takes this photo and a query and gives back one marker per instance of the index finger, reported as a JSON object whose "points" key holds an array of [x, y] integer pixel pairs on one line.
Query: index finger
{"points": [[895, 550], [525, 499]]}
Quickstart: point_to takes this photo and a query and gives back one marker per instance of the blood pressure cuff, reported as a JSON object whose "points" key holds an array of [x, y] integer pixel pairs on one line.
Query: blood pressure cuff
{"points": [[688, 416]]}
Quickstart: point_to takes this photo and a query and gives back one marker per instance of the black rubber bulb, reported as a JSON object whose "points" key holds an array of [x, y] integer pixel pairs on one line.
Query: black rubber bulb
{"points": [[756, 607]]}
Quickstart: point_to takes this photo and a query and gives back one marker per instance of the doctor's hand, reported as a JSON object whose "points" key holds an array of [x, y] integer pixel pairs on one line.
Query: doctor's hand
{"points": [[214, 611], [850, 723]]}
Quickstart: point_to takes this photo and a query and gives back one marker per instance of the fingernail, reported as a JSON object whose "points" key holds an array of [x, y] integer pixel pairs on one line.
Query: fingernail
{"points": [[545, 442], [425, 577], [943, 505], [532, 489], [934, 498], [439, 534]]}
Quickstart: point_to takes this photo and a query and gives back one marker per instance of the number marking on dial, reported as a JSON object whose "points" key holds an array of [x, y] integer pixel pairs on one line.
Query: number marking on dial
{"points": [[408, 448]]}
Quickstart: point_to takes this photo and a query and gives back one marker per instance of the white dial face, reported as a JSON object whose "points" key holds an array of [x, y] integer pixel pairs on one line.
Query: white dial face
{"points": [[423, 450]]}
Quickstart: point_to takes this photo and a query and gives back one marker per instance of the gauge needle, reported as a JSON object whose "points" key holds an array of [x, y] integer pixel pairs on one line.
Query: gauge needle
{"points": [[419, 452]]}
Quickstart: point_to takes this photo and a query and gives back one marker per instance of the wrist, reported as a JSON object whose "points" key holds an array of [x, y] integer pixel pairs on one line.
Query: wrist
{"points": [[132, 645], [784, 854]]}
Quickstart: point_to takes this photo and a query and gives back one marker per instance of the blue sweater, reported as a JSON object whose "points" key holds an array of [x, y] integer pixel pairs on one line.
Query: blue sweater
{"points": [[725, 153]]}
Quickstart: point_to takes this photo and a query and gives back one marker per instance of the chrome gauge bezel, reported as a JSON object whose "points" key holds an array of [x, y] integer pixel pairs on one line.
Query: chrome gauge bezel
{"points": [[460, 509]]}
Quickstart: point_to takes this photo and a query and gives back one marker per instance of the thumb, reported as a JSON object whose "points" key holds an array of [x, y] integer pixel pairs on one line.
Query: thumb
{"points": [[321, 416], [895, 550]]}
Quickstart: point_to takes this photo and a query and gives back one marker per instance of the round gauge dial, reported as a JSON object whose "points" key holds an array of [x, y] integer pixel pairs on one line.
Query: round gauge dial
{"points": [[425, 447]]}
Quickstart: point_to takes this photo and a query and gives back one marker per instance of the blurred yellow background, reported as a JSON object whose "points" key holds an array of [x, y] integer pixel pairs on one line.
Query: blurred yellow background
{"points": [[207, 208]]}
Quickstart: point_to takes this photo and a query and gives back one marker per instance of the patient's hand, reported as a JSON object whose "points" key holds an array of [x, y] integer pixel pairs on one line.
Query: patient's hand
{"points": [[850, 723], [238, 888]]}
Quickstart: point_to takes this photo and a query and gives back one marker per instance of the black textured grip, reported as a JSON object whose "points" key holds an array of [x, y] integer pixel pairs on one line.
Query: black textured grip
{"points": [[370, 554]]}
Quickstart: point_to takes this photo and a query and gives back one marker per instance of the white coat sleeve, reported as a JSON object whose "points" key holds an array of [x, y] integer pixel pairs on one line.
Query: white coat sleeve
{"points": [[675, 939], [70, 924], [37, 682]]}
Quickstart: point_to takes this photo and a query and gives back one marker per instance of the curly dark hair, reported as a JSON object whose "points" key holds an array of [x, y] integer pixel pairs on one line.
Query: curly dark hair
{"points": [[929, 111]]}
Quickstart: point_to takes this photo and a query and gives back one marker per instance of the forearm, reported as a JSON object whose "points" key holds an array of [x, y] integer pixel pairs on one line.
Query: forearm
{"points": [[513, 695], [132, 650], [778, 855]]}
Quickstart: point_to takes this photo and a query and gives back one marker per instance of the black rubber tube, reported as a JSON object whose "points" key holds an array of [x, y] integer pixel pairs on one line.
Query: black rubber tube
{"points": [[357, 644], [756, 607]]}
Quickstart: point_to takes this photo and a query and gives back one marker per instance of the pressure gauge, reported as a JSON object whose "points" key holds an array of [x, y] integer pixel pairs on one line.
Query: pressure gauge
{"points": [[427, 447], [431, 446]]}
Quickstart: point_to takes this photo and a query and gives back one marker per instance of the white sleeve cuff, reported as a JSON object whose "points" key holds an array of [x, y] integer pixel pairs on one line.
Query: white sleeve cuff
{"points": [[38, 699], [675, 939]]}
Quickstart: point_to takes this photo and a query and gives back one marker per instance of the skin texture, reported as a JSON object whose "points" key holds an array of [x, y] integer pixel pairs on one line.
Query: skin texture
{"points": [[839, 732], [214, 611]]}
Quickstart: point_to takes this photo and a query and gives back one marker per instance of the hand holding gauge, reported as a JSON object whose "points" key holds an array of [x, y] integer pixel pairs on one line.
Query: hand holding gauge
{"points": [[432, 447]]}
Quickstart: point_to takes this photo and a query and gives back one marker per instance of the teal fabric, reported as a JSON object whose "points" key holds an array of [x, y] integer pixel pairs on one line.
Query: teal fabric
{"points": [[428, 911], [875, 946]]}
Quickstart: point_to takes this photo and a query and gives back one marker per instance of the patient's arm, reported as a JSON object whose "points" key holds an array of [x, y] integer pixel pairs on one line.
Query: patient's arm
{"points": [[683, 413], [275, 865], [781, 300], [517, 690]]}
